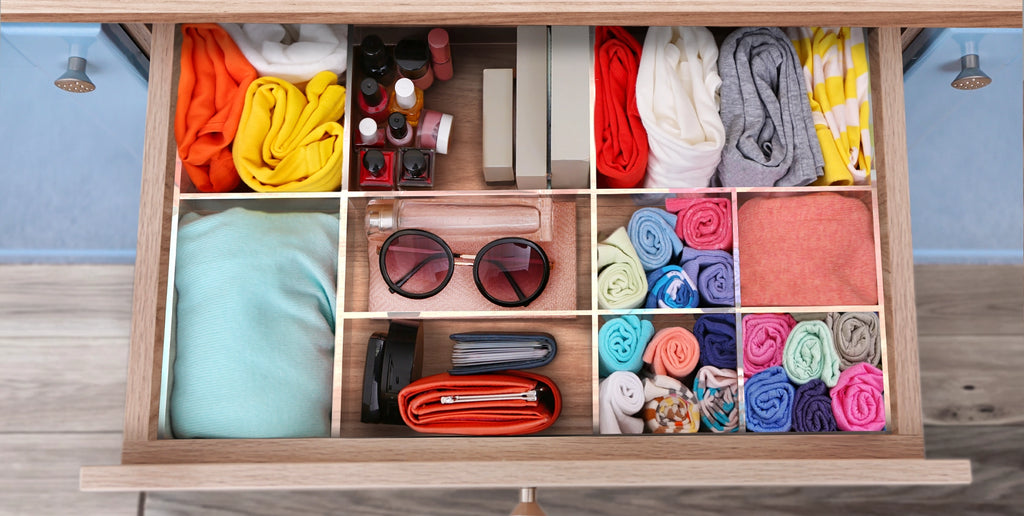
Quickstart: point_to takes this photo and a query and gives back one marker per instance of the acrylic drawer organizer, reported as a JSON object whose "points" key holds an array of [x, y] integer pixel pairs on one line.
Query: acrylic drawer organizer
{"points": [[359, 455]]}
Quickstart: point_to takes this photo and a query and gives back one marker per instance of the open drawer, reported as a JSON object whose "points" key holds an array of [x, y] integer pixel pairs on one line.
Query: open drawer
{"points": [[362, 456]]}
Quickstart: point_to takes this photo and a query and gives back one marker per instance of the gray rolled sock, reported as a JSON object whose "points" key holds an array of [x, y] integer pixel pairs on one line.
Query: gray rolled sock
{"points": [[770, 138]]}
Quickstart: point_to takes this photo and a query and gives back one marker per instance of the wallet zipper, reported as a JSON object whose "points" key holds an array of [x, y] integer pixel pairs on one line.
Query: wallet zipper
{"points": [[530, 395]]}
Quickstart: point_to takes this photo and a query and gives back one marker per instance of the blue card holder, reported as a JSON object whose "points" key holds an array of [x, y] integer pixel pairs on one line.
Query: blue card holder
{"points": [[485, 352]]}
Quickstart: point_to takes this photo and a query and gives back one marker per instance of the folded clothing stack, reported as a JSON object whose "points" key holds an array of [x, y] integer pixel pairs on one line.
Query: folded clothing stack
{"points": [[254, 325]]}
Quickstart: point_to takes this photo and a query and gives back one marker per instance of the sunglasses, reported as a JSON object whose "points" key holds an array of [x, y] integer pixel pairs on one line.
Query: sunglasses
{"points": [[508, 272]]}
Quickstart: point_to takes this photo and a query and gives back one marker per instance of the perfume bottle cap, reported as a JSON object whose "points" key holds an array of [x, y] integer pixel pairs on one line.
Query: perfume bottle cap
{"points": [[381, 217], [405, 93], [373, 162], [398, 126], [371, 91], [438, 41], [414, 162]]}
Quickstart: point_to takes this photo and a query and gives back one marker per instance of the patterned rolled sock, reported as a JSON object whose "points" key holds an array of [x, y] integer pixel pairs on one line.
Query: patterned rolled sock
{"points": [[671, 407], [717, 395]]}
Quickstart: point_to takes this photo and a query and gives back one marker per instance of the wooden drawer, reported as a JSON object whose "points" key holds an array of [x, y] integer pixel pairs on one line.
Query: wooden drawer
{"points": [[357, 457]]}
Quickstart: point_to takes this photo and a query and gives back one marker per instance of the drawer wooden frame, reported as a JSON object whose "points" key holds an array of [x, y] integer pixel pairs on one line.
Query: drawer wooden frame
{"points": [[893, 457]]}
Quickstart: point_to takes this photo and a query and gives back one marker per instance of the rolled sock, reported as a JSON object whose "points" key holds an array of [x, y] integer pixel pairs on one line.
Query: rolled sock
{"points": [[712, 270], [212, 83], [621, 282], [770, 138], [703, 223], [621, 343], [671, 407], [716, 334], [856, 338], [835, 67], [717, 394], [677, 97], [619, 134], [652, 233], [764, 338], [671, 288], [810, 354], [254, 325], [672, 352], [812, 408], [289, 140], [857, 401], [769, 402], [622, 396], [812, 316], [310, 49]]}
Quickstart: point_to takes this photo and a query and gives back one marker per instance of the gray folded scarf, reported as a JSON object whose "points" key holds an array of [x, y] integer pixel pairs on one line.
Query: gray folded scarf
{"points": [[856, 338], [769, 134]]}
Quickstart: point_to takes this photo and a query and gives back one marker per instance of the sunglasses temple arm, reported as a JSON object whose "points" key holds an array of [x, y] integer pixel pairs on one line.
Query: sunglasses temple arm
{"points": [[401, 282], [511, 280]]}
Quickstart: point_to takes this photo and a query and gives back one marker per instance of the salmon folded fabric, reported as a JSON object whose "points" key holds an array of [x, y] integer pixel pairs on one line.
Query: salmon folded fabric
{"points": [[810, 354], [703, 223], [857, 401], [807, 250], [211, 94], [618, 131], [671, 407], [672, 352], [764, 338], [290, 141]]}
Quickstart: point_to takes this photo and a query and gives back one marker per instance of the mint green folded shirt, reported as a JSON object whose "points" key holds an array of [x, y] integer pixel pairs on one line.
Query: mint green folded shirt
{"points": [[254, 332]]}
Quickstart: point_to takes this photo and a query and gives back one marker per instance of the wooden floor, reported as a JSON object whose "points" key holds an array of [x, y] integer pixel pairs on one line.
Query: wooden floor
{"points": [[63, 347]]}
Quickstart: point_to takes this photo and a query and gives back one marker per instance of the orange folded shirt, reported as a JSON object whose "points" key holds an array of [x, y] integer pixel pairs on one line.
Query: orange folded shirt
{"points": [[211, 93]]}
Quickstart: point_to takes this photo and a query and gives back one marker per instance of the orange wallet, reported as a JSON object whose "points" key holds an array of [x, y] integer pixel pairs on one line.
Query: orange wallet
{"points": [[508, 403]]}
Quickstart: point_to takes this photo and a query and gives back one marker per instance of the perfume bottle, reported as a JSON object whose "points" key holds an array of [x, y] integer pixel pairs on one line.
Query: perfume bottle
{"points": [[529, 217]]}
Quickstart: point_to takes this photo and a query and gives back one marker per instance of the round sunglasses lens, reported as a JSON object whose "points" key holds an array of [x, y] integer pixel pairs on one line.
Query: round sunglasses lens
{"points": [[416, 264], [511, 272]]}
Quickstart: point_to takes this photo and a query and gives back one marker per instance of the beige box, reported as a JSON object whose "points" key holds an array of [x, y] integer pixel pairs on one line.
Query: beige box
{"points": [[570, 106], [531, 107], [498, 125]]}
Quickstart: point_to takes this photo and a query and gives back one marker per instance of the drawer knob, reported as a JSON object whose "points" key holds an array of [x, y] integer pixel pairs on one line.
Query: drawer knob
{"points": [[528, 505]]}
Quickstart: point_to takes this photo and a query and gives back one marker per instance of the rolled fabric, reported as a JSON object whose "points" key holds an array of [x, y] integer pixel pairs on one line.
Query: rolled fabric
{"points": [[621, 282], [769, 134], [621, 342], [671, 407], [652, 233], [812, 408], [835, 67], [716, 334], [622, 396], [857, 401], [677, 97], [769, 401], [254, 325], [764, 338], [717, 392], [619, 134], [703, 223], [292, 52], [671, 288], [289, 141], [813, 316], [856, 338], [807, 250], [672, 352], [211, 95], [810, 354], [712, 270]]}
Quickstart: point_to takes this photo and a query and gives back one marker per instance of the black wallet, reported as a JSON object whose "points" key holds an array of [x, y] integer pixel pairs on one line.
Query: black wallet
{"points": [[393, 360], [483, 352]]}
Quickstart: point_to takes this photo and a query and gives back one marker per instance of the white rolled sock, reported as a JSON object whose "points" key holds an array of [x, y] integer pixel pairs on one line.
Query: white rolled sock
{"points": [[310, 49], [621, 396]]}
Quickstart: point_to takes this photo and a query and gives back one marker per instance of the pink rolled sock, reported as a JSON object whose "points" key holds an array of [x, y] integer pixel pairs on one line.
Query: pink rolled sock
{"points": [[857, 400], [764, 338]]}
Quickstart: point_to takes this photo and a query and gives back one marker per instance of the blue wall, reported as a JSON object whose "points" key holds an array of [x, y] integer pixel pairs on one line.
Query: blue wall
{"points": [[70, 162]]}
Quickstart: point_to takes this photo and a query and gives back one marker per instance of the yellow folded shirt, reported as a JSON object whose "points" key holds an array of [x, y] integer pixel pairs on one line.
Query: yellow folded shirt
{"points": [[288, 141]]}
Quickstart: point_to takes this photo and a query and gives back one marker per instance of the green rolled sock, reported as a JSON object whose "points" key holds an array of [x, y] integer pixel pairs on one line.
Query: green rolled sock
{"points": [[621, 282], [809, 354]]}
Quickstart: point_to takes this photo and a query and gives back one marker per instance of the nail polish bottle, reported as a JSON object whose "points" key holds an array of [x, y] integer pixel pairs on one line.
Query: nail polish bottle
{"points": [[376, 169], [373, 99], [416, 168], [407, 100], [412, 58], [399, 133], [371, 134], [440, 54], [373, 56]]}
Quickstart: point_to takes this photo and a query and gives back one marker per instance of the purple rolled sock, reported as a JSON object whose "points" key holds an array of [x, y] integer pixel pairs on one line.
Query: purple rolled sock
{"points": [[812, 408]]}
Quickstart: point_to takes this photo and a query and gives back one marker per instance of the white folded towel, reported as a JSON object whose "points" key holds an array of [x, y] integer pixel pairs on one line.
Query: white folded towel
{"points": [[621, 396], [677, 95], [294, 52]]}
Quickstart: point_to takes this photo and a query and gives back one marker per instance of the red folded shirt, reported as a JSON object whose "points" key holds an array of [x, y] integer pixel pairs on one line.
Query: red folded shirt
{"points": [[620, 137]]}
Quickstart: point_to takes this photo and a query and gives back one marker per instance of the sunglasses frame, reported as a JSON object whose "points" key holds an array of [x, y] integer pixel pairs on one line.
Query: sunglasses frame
{"points": [[395, 289]]}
